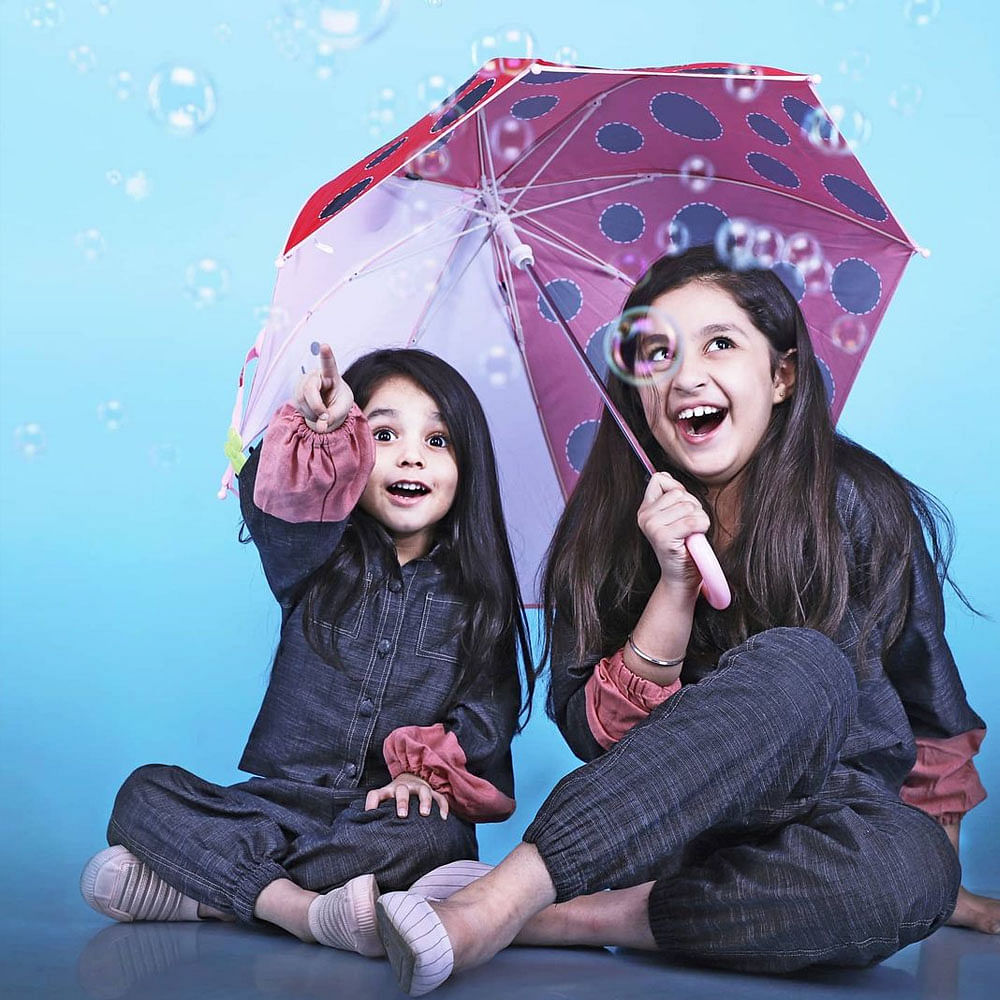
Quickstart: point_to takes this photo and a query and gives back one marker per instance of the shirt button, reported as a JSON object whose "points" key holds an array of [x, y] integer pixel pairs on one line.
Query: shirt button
{"points": [[351, 770], [395, 586], [383, 646], [366, 706]]}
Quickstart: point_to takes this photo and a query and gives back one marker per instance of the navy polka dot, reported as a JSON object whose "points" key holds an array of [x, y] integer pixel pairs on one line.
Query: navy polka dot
{"points": [[385, 153], [791, 277], [622, 223], [567, 297], [617, 137], [768, 128], [470, 100], [579, 443], [828, 384], [855, 197], [543, 77], [685, 116], [345, 198], [314, 347], [533, 107], [701, 220], [772, 170], [797, 110], [595, 349], [856, 286]]}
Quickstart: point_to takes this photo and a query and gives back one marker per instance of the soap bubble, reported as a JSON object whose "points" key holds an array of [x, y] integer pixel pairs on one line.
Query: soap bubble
{"points": [[672, 238], [111, 414], [840, 133], [83, 58], [113, 177], [223, 32], [906, 98], [163, 456], [91, 243], [506, 50], [381, 116], [432, 92], [510, 138], [44, 16], [206, 281], [631, 262], [499, 365], [182, 99], [921, 12], [566, 55], [849, 333], [734, 243], [431, 164], [346, 24], [103, 7], [325, 60], [643, 346], [855, 64], [30, 440], [138, 186], [122, 84], [697, 174], [743, 82]]}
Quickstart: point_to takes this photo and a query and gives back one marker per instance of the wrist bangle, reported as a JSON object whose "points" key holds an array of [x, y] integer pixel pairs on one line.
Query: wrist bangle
{"points": [[652, 659]]}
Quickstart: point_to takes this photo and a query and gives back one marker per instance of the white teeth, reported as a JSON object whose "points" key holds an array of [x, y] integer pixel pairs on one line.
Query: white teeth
{"points": [[698, 411], [410, 487]]}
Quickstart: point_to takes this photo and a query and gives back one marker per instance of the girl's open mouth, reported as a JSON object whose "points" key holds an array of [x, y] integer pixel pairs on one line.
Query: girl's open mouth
{"points": [[698, 422], [407, 489]]}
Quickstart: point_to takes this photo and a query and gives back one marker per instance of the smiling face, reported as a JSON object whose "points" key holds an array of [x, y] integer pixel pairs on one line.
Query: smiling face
{"points": [[413, 484], [711, 414]]}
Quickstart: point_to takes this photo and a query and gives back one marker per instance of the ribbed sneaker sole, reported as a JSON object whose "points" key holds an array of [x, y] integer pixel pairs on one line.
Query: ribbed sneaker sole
{"points": [[137, 893], [415, 942]]}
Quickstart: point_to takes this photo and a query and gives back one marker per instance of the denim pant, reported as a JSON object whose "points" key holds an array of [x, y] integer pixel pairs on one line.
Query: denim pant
{"points": [[222, 845], [768, 852]]}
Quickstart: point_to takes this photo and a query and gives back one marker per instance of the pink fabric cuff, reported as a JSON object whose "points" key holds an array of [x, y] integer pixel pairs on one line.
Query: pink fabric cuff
{"points": [[434, 754], [944, 782], [306, 476], [618, 699]]}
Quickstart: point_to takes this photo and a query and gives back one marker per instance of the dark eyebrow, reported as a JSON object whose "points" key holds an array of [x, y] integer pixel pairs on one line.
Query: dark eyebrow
{"points": [[382, 412], [713, 329]]}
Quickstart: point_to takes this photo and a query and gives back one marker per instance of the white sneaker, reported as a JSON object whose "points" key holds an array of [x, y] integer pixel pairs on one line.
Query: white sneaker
{"points": [[116, 883], [345, 918]]}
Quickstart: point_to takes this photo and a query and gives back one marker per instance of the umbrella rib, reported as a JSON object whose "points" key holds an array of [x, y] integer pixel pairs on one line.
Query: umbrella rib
{"points": [[509, 296], [645, 179], [576, 251]]}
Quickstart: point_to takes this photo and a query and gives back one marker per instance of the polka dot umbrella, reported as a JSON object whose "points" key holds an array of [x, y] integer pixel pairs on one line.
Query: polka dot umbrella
{"points": [[503, 232]]}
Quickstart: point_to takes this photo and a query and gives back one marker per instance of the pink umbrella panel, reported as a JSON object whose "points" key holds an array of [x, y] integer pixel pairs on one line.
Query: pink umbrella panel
{"points": [[593, 174]]}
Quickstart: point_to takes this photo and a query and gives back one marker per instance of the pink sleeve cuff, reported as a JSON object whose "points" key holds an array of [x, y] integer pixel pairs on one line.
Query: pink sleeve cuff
{"points": [[306, 476], [944, 782], [434, 754], [618, 699]]}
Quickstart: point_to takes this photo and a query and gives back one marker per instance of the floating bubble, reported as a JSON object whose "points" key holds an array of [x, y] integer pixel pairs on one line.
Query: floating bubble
{"points": [[91, 243], [432, 92], [381, 116], [275, 319], [420, 211], [83, 58], [697, 174], [921, 12], [510, 138], [672, 238], [44, 16], [325, 60], [499, 365], [631, 262], [566, 55], [103, 7], [111, 414], [401, 281], [766, 246], [223, 32], [734, 241], [434, 3], [30, 440], [347, 24], [506, 50], [801, 249], [642, 347], [286, 36], [906, 98], [138, 186], [163, 456], [432, 163], [206, 281], [849, 333], [855, 64], [122, 84], [839, 133], [744, 82], [816, 275], [113, 177], [182, 99], [837, 6]]}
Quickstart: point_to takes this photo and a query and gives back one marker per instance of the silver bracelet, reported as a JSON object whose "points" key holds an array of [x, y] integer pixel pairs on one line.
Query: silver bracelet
{"points": [[652, 659]]}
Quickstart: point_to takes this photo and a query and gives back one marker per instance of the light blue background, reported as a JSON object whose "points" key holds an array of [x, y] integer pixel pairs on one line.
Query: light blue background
{"points": [[134, 627]]}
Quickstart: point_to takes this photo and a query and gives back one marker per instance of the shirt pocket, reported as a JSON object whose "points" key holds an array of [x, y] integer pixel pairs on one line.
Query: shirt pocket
{"points": [[353, 616], [439, 633]]}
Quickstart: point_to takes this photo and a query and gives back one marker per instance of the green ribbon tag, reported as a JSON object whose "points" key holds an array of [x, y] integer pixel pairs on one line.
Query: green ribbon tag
{"points": [[234, 450]]}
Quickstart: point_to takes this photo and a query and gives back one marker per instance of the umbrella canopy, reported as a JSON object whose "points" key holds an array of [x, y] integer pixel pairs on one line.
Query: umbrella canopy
{"points": [[589, 174]]}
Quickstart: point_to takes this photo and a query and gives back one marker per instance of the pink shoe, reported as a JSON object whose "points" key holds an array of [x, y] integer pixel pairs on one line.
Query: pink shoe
{"points": [[116, 883], [345, 918], [448, 879]]}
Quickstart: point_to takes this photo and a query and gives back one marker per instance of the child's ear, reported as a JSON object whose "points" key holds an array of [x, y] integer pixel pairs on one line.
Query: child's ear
{"points": [[784, 377]]}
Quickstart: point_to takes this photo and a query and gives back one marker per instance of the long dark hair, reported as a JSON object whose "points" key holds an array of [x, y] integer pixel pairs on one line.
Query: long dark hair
{"points": [[472, 544], [788, 562]]}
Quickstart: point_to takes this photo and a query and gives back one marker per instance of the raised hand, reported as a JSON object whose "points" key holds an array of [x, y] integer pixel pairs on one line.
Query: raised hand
{"points": [[667, 515], [322, 396]]}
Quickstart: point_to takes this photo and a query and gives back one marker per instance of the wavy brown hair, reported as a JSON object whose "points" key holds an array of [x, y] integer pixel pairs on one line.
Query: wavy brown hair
{"points": [[788, 563]]}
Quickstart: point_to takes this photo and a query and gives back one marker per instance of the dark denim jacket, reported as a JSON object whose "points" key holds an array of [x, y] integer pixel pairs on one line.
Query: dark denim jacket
{"points": [[910, 689], [397, 656]]}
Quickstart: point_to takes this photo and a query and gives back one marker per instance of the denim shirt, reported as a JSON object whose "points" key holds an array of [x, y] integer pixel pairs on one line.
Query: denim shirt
{"points": [[911, 688], [396, 657]]}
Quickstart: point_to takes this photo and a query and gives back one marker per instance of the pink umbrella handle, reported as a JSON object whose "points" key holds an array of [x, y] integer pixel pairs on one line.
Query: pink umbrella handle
{"points": [[713, 581]]}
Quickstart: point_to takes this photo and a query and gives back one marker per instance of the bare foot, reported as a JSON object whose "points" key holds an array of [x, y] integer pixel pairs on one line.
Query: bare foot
{"points": [[979, 913], [476, 929]]}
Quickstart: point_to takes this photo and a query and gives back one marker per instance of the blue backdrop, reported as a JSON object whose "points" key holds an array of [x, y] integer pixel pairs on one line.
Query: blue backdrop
{"points": [[134, 627]]}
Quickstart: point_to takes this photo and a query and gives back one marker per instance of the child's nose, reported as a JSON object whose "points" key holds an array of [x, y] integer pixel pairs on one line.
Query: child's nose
{"points": [[410, 453]]}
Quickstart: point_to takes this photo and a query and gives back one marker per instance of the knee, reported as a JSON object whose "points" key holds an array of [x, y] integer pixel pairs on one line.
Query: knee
{"points": [[142, 785]]}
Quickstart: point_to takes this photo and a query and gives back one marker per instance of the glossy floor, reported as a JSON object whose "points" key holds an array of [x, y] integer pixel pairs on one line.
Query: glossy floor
{"points": [[54, 947]]}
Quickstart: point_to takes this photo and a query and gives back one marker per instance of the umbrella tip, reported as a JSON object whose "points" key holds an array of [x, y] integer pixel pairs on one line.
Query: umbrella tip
{"points": [[923, 251], [815, 78]]}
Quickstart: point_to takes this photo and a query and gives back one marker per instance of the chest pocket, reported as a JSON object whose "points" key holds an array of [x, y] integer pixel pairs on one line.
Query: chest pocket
{"points": [[439, 632], [349, 623]]}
